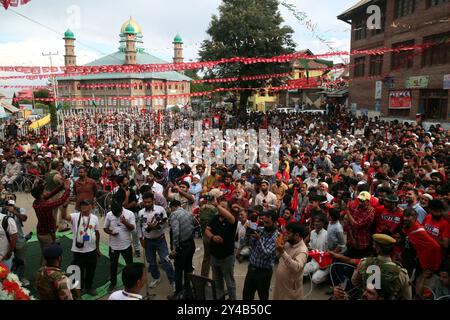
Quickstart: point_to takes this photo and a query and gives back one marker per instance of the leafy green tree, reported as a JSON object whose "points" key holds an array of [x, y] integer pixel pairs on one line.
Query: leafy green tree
{"points": [[247, 28], [44, 93], [197, 87]]}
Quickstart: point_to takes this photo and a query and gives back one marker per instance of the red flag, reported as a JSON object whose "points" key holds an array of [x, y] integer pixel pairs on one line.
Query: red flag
{"points": [[322, 258], [427, 248]]}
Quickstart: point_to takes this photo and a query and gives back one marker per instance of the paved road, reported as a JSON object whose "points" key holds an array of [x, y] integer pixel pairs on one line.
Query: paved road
{"points": [[161, 292]]}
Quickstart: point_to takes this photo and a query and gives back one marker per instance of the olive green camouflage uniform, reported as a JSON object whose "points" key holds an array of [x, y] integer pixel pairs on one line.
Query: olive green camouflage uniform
{"points": [[52, 284], [394, 278]]}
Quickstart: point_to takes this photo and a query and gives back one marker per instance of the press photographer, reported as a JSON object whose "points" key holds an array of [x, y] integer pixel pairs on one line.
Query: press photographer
{"points": [[8, 238], [19, 216], [152, 221]]}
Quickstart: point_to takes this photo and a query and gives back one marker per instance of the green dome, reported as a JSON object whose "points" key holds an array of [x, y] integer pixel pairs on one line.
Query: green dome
{"points": [[130, 29], [69, 34], [177, 39]]}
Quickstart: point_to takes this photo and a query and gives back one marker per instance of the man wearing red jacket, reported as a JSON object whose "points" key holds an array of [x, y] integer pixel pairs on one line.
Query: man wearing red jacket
{"points": [[427, 249], [390, 217]]}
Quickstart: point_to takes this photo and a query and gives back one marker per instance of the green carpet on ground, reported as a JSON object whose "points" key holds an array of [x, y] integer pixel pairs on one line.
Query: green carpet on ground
{"points": [[101, 278]]}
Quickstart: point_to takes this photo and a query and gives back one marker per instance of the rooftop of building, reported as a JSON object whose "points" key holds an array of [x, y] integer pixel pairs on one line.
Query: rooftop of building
{"points": [[118, 58], [346, 15]]}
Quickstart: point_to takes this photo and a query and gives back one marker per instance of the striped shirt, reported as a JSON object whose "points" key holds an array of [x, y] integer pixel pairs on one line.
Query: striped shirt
{"points": [[182, 225]]}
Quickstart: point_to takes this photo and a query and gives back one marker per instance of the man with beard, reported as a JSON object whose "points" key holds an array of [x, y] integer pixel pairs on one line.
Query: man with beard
{"points": [[151, 230], [293, 257], [324, 162], [161, 173], [390, 217], [211, 181], [279, 188], [84, 188], [155, 186], [119, 224], [266, 198], [12, 171], [227, 188], [221, 231], [174, 173], [426, 249], [183, 249], [435, 223], [345, 170], [262, 257], [358, 224], [412, 202]]}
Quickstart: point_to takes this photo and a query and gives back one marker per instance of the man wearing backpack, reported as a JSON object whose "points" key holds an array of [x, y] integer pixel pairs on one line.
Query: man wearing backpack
{"points": [[394, 278], [8, 239]]}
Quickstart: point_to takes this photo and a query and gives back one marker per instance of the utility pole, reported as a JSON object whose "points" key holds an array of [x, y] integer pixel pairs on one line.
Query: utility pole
{"points": [[50, 55]]}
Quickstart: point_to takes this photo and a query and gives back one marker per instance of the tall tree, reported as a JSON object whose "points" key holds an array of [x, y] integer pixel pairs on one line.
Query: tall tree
{"points": [[247, 28], [45, 93]]}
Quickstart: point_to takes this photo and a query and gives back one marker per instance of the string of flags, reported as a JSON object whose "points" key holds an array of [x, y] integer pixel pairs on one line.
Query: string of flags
{"points": [[151, 68], [294, 84]]}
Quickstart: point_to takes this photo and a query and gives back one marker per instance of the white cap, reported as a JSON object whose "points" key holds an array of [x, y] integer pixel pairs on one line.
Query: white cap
{"points": [[428, 196], [196, 177], [367, 163]]}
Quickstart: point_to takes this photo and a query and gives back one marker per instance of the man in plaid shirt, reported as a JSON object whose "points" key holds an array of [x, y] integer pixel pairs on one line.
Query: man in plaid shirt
{"points": [[262, 258], [358, 225]]}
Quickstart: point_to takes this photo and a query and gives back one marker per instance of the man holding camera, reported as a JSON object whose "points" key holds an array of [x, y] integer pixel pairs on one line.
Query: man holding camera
{"points": [[8, 239], [262, 258], [152, 227], [119, 223], [19, 216], [182, 228], [85, 245]]}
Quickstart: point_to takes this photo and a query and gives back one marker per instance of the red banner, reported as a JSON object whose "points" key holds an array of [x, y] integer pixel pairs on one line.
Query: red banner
{"points": [[400, 99]]}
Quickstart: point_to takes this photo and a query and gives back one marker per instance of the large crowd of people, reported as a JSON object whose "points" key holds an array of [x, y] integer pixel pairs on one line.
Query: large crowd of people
{"points": [[350, 193]]}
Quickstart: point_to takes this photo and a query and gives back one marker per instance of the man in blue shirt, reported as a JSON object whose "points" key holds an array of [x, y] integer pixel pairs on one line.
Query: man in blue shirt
{"points": [[412, 201], [262, 258]]}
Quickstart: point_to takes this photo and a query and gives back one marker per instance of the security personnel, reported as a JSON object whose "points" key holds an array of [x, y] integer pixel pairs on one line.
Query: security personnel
{"points": [[51, 282], [394, 279]]}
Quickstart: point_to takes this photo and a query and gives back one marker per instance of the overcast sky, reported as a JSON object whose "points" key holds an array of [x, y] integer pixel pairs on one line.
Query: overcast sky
{"points": [[96, 25]]}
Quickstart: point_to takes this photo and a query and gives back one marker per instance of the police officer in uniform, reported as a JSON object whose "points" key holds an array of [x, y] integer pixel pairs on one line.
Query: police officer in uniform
{"points": [[394, 278], [51, 282]]}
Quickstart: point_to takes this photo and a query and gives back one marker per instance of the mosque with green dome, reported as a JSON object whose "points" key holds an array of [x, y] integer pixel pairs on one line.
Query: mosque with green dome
{"points": [[130, 52]]}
